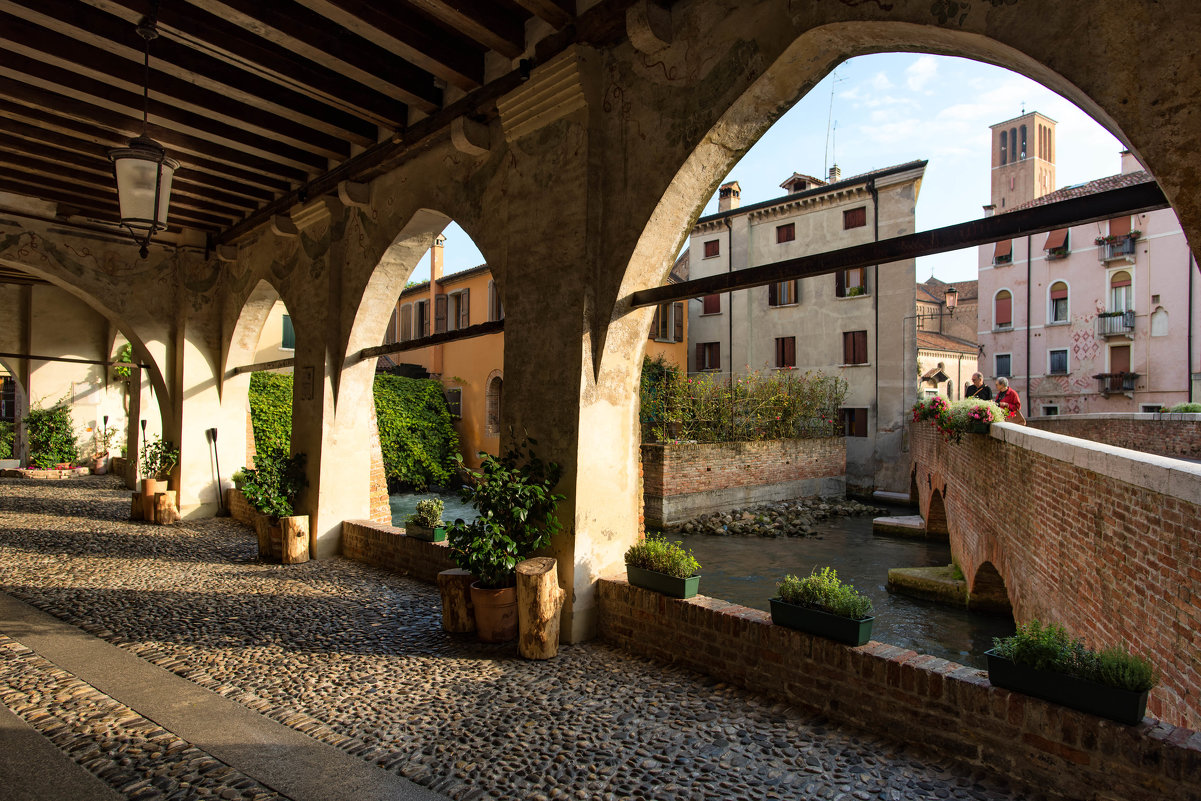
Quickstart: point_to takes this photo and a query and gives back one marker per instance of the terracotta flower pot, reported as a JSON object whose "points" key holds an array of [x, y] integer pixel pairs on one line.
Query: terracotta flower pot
{"points": [[495, 613], [149, 487]]}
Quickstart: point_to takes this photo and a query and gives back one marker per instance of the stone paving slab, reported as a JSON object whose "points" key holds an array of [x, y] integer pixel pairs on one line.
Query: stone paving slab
{"points": [[356, 658]]}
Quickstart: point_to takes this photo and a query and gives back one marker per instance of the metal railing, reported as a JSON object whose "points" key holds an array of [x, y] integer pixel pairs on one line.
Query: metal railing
{"points": [[1121, 249], [1115, 325], [1116, 382]]}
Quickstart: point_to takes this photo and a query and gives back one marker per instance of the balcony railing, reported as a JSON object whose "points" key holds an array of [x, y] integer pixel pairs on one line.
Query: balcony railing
{"points": [[1116, 382], [1112, 325], [1119, 249]]}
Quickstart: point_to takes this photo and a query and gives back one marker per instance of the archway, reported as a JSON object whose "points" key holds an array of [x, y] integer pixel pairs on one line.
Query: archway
{"points": [[988, 592], [936, 516]]}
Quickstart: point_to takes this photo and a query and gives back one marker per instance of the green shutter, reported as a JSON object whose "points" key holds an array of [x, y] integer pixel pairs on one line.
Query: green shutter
{"points": [[289, 337]]}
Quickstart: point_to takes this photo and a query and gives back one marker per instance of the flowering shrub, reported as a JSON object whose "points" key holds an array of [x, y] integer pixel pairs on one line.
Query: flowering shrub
{"points": [[959, 417], [929, 408], [782, 404]]}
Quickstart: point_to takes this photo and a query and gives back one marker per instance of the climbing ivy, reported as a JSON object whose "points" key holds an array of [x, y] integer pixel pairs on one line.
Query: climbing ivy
{"points": [[51, 435], [7, 434], [417, 434]]}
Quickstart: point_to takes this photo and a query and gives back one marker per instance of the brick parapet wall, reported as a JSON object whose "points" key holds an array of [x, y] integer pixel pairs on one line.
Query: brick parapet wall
{"points": [[1102, 540], [1176, 435], [389, 548], [934, 704], [683, 480]]}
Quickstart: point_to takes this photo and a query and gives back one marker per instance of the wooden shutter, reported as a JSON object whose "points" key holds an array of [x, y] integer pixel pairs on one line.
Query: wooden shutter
{"points": [[1004, 310], [854, 218], [465, 308], [1059, 237], [425, 318], [848, 347], [406, 322], [840, 284], [654, 333], [785, 233], [677, 312], [860, 338], [439, 314], [712, 304], [700, 356], [773, 294], [1059, 291], [1119, 359], [790, 351], [288, 336], [1002, 251], [860, 422], [779, 351], [712, 248], [1119, 226]]}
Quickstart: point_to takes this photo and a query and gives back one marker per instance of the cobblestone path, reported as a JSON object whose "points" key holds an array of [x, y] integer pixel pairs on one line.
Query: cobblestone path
{"points": [[356, 658]]}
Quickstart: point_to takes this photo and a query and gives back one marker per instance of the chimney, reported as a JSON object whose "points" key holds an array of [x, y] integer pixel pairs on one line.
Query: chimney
{"points": [[835, 173], [1130, 163], [990, 210], [436, 259], [727, 196]]}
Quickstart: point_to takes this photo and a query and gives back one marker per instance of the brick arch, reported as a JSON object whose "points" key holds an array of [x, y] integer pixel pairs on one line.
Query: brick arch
{"points": [[988, 591], [936, 514]]}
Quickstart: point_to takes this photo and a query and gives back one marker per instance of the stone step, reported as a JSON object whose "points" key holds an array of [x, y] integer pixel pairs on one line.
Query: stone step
{"points": [[894, 498], [907, 526]]}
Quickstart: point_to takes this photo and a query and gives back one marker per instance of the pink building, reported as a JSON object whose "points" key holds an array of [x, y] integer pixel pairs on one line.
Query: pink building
{"points": [[1094, 318]]}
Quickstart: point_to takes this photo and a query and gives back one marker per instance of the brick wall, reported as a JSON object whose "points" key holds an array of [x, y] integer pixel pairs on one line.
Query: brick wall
{"points": [[1176, 435], [682, 481], [938, 705], [387, 547], [1102, 540]]}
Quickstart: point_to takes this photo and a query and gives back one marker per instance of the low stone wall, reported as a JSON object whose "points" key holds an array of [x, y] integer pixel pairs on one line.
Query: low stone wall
{"points": [[683, 481], [1166, 434], [389, 548], [934, 704]]}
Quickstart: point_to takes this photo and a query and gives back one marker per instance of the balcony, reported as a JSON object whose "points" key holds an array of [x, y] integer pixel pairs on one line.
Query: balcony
{"points": [[1122, 248], [1112, 383], [1115, 324]]}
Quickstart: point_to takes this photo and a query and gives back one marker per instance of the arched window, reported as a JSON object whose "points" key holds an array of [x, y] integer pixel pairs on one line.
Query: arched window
{"points": [[1159, 322], [1013, 144], [1002, 309], [1023, 148], [1121, 292], [492, 407], [1059, 302], [1004, 147]]}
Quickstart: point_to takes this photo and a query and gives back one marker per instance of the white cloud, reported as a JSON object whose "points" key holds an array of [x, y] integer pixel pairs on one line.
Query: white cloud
{"points": [[921, 72], [880, 82]]}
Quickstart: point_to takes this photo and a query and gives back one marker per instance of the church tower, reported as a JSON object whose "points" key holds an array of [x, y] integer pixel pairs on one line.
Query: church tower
{"points": [[1023, 160]]}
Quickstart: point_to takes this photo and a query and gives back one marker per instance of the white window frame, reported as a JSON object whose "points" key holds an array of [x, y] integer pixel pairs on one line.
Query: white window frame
{"points": [[1109, 274], [1012, 310], [1067, 357], [1051, 304], [996, 372]]}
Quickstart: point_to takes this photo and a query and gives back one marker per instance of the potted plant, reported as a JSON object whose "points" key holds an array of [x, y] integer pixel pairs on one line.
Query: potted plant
{"points": [[516, 503], [158, 457], [239, 478], [1046, 662], [104, 438], [662, 566], [968, 416], [271, 488], [426, 521], [929, 408], [821, 604]]}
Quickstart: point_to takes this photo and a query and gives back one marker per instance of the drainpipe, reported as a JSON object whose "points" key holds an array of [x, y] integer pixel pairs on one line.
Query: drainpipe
{"points": [[871, 188], [730, 316], [1029, 279], [1188, 359]]}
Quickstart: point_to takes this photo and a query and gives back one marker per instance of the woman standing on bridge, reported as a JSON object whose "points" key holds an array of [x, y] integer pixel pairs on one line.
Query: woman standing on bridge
{"points": [[1008, 400]]}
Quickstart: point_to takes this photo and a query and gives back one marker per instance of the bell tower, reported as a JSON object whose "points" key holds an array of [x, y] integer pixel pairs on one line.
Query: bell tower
{"points": [[1023, 160]]}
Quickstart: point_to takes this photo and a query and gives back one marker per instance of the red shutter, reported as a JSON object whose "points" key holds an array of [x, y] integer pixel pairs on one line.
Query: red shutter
{"points": [[854, 218], [716, 354], [779, 352], [1004, 311], [1119, 226], [439, 314], [712, 248], [465, 308], [712, 304], [1002, 250], [1059, 294], [1059, 237], [848, 347], [654, 333], [700, 356], [773, 294], [861, 422], [1119, 359], [860, 347], [786, 233], [677, 311]]}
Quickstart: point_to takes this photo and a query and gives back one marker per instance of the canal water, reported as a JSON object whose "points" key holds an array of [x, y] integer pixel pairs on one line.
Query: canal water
{"points": [[744, 570]]}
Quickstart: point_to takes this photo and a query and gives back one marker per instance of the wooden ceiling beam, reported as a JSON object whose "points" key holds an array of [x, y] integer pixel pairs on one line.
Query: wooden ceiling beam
{"points": [[64, 52], [39, 125], [283, 83], [483, 20], [125, 127], [70, 196], [99, 94], [556, 12], [315, 38], [424, 42]]}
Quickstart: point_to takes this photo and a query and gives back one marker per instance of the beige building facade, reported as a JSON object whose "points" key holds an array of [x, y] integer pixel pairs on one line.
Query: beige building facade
{"points": [[947, 353]]}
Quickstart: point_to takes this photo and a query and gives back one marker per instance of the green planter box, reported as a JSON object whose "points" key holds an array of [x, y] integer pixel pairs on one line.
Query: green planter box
{"points": [[419, 532], [661, 582], [823, 624], [1124, 706]]}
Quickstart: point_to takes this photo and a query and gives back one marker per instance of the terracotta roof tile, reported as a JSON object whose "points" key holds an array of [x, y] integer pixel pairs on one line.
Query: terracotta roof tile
{"points": [[1085, 189], [932, 340]]}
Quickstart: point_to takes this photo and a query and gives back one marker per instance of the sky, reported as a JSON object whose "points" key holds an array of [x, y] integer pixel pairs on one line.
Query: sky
{"points": [[893, 108]]}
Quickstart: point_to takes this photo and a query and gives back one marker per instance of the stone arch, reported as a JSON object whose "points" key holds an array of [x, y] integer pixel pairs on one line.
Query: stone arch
{"points": [[988, 592], [936, 515]]}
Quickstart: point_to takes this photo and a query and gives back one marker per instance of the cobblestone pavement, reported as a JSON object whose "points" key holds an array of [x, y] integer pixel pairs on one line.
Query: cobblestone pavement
{"points": [[356, 657]]}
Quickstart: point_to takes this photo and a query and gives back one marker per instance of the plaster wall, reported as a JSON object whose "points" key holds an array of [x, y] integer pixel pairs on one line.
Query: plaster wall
{"points": [[958, 366]]}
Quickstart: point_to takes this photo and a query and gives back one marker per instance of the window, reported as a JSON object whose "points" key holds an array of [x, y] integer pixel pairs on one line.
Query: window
{"points": [[708, 356], [492, 398], [1121, 293], [459, 312], [406, 322], [850, 283], [712, 248], [288, 338], [1150, 408], [1059, 302], [854, 218], [441, 310], [421, 319], [454, 401], [668, 322], [496, 309], [1013, 149], [1057, 361], [1003, 310], [1004, 148], [785, 351], [854, 347], [711, 304], [782, 294], [785, 233], [1119, 359], [1003, 365], [1050, 411], [1022, 151], [854, 422], [1003, 252], [1056, 245]]}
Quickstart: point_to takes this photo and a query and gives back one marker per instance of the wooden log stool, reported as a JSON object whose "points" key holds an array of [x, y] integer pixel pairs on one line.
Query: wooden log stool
{"points": [[294, 539], [165, 512], [539, 604], [458, 615]]}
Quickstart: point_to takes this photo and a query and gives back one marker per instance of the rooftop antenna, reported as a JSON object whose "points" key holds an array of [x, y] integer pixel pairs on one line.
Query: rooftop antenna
{"points": [[830, 122], [1023, 107]]}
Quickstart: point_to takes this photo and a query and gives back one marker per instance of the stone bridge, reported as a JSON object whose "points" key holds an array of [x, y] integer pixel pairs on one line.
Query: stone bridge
{"points": [[1103, 540]]}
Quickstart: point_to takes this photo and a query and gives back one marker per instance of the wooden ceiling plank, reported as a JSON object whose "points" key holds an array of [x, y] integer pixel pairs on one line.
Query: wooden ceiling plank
{"points": [[313, 37], [441, 51], [126, 127], [96, 93], [70, 204], [482, 20], [62, 51], [556, 12], [110, 25], [96, 146]]}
